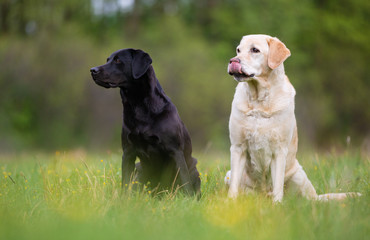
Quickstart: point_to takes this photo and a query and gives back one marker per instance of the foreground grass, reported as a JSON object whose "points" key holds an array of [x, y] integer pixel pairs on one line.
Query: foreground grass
{"points": [[74, 196]]}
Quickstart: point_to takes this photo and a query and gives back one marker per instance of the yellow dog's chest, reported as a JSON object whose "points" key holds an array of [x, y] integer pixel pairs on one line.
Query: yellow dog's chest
{"points": [[263, 137]]}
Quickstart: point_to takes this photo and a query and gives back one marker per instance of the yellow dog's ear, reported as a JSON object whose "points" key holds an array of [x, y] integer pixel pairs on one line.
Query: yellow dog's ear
{"points": [[277, 54]]}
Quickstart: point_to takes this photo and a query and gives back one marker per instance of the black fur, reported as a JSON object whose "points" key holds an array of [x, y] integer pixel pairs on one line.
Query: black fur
{"points": [[152, 129]]}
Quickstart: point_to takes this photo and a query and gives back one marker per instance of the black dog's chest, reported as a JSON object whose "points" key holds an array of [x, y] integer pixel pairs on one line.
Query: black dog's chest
{"points": [[151, 152], [146, 145], [143, 140]]}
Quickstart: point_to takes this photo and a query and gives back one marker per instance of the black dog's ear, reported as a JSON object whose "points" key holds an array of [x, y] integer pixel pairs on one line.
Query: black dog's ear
{"points": [[140, 63]]}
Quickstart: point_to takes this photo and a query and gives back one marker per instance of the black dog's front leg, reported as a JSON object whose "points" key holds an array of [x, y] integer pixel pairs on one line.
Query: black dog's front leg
{"points": [[183, 172], [128, 166]]}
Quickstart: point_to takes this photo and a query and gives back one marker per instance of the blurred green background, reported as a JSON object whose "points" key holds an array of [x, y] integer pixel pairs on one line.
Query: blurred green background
{"points": [[49, 101]]}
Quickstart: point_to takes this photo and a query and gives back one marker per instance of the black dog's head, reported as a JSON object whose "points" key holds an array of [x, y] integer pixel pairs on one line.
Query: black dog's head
{"points": [[123, 67]]}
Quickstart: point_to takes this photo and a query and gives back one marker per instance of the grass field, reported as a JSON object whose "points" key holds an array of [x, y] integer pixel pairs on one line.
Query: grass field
{"points": [[74, 195]]}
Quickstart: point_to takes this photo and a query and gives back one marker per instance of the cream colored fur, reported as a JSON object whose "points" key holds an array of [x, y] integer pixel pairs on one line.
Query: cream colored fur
{"points": [[263, 130]]}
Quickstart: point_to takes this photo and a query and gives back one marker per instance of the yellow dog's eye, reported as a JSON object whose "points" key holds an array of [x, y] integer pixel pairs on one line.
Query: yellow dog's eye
{"points": [[255, 50]]}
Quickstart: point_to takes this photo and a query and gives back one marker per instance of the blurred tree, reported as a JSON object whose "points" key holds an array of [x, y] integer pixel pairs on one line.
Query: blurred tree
{"points": [[339, 85], [4, 16], [16, 15]]}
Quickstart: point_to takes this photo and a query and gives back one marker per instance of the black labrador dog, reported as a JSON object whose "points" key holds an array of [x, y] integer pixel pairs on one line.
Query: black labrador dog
{"points": [[152, 129]]}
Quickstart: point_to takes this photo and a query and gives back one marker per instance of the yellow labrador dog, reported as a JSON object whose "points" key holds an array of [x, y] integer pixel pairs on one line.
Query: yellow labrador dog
{"points": [[263, 130]]}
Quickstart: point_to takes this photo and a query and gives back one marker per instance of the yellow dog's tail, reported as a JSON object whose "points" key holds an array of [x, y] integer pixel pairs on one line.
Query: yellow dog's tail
{"points": [[337, 196]]}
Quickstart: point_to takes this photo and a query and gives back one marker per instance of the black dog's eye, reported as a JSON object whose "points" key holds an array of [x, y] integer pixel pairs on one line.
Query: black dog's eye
{"points": [[116, 60], [255, 50], [238, 50]]}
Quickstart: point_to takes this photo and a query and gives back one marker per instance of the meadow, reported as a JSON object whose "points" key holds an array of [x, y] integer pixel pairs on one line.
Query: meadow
{"points": [[78, 195]]}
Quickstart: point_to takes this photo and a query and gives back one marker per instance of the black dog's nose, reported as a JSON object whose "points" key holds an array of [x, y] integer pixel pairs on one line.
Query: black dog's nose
{"points": [[94, 70]]}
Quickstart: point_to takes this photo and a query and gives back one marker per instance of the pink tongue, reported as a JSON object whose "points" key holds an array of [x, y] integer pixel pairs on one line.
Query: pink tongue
{"points": [[235, 67]]}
